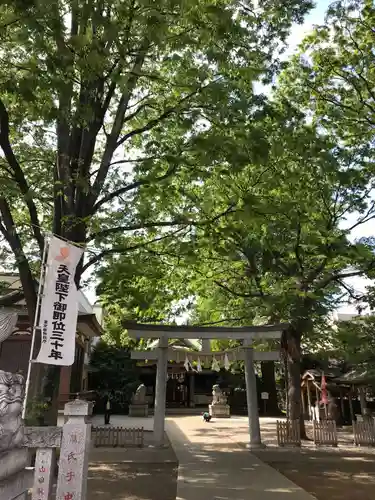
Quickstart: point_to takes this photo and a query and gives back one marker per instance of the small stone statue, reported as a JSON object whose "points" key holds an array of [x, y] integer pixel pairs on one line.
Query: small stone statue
{"points": [[11, 401], [139, 397], [139, 405], [218, 396], [219, 407]]}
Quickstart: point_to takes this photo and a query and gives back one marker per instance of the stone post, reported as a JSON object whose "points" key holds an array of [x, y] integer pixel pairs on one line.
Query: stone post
{"points": [[75, 447], [252, 397], [44, 473], [160, 392]]}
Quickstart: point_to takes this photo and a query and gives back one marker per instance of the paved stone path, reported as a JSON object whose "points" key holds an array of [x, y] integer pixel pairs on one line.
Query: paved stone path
{"points": [[214, 462], [213, 466]]}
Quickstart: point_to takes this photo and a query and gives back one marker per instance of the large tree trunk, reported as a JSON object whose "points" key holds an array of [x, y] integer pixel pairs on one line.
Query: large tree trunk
{"points": [[292, 349], [269, 385]]}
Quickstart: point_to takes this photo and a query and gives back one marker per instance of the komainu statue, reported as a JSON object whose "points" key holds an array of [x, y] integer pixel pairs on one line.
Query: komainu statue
{"points": [[139, 397], [139, 405], [219, 397], [11, 401], [219, 407]]}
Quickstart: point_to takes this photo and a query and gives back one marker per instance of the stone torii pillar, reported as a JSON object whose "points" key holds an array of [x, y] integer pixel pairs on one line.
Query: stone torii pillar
{"points": [[251, 396], [160, 392]]}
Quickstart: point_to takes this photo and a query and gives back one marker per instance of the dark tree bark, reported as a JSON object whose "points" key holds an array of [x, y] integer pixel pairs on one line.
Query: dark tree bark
{"points": [[9, 231], [291, 344]]}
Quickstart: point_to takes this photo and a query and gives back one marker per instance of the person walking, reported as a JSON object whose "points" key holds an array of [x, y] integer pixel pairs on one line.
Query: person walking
{"points": [[107, 412]]}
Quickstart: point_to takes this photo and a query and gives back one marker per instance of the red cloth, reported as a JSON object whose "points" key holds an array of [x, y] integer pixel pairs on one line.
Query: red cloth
{"points": [[324, 390]]}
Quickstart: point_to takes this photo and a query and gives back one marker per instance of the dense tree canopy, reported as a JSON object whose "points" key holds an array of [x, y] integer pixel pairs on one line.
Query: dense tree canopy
{"points": [[278, 254], [82, 86], [332, 78], [132, 127], [286, 177]]}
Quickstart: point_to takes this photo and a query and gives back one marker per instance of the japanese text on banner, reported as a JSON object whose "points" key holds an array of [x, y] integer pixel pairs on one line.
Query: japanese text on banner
{"points": [[59, 304]]}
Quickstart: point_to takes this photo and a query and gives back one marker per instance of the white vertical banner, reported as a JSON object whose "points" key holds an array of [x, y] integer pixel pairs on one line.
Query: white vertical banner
{"points": [[59, 304]]}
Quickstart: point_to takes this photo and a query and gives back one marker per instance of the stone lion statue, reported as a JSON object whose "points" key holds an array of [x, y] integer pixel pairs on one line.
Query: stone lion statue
{"points": [[11, 401], [139, 397], [219, 397]]}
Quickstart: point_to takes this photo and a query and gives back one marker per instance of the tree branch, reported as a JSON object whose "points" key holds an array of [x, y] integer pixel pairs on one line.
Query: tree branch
{"points": [[350, 291], [152, 123], [18, 175], [144, 225], [11, 298], [238, 294], [130, 187], [122, 249], [339, 277], [132, 227], [135, 160], [367, 217], [9, 231], [112, 139], [226, 320]]}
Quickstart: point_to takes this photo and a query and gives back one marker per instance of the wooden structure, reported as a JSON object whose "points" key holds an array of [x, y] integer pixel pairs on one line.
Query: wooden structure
{"points": [[311, 393], [325, 433], [348, 394], [288, 432], [358, 382], [364, 432], [121, 437]]}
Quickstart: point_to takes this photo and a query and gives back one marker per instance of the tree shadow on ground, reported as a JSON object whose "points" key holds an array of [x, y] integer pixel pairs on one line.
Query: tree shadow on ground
{"points": [[119, 481], [133, 474], [342, 473], [215, 467]]}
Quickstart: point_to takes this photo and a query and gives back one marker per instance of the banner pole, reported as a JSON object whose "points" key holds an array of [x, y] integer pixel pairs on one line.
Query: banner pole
{"points": [[35, 325]]}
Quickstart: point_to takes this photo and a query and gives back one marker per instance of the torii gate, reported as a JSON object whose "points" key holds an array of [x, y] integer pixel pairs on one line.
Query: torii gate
{"points": [[164, 332]]}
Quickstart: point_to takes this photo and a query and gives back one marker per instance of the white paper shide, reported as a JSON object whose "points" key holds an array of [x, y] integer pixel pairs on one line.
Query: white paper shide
{"points": [[59, 304]]}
